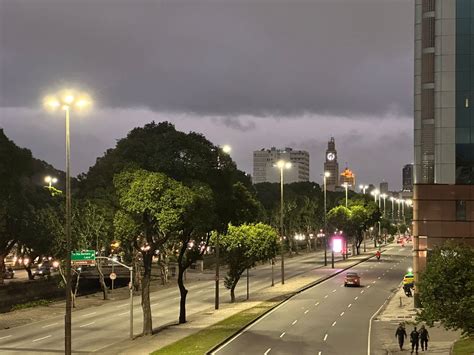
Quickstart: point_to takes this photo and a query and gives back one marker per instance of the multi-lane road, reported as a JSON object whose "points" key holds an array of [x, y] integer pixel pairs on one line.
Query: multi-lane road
{"points": [[96, 328], [327, 318]]}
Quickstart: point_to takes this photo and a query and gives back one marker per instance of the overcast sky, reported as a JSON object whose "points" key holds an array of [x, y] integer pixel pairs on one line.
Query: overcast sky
{"points": [[248, 73]]}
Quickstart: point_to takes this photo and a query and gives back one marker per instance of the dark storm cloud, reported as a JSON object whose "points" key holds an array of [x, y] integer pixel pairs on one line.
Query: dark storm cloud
{"points": [[212, 57]]}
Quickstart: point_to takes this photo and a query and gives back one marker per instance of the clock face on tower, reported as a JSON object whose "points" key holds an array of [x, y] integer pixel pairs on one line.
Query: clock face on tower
{"points": [[331, 156]]}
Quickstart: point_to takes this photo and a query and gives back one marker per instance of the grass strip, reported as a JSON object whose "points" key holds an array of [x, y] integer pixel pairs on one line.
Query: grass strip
{"points": [[204, 340], [31, 304], [464, 347]]}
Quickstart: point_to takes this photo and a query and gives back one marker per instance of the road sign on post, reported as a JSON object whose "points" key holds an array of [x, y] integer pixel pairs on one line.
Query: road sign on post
{"points": [[84, 257]]}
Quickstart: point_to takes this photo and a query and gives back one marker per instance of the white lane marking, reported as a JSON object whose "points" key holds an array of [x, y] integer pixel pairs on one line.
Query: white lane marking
{"points": [[121, 314], [39, 339], [334, 290], [362, 291], [49, 325], [378, 277], [199, 291], [341, 285], [126, 304], [306, 312], [266, 352], [8, 336], [333, 324], [368, 286], [294, 322], [326, 336], [316, 303], [355, 298], [374, 282], [320, 353], [176, 298], [85, 325], [342, 313], [88, 314], [370, 326], [282, 334], [350, 305], [326, 296]]}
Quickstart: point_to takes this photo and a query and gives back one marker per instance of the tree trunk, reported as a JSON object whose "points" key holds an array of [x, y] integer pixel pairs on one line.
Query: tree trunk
{"points": [[103, 287], [183, 293], [232, 289], [147, 319]]}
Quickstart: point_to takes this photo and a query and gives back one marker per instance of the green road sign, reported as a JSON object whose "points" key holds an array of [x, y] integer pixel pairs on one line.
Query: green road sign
{"points": [[84, 257]]}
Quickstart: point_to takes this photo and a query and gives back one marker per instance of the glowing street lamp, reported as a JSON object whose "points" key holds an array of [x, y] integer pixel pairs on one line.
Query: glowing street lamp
{"points": [[346, 186], [68, 100], [383, 196], [225, 149], [325, 176], [375, 193], [393, 204], [50, 181], [363, 188], [282, 165]]}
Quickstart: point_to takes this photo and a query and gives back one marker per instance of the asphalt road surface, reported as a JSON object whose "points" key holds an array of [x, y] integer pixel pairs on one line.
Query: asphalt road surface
{"points": [[96, 328], [327, 318]]}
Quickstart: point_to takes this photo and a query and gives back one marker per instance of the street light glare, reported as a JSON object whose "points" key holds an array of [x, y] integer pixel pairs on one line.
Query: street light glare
{"points": [[66, 100], [287, 165], [226, 148], [327, 174], [48, 179], [51, 103]]}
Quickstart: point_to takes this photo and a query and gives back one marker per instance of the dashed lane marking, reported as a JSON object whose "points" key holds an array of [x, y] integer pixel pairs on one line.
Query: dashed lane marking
{"points": [[355, 298], [282, 334], [333, 324], [266, 352], [50, 325], [85, 325], [326, 336], [350, 305], [326, 296], [362, 291], [39, 339], [121, 314], [294, 322], [342, 313], [5, 337], [306, 312], [317, 303], [368, 286], [88, 314]]}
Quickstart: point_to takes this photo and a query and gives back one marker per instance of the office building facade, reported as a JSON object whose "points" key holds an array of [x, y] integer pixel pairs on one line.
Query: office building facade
{"points": [[407, 177], [443, 193], [264, 169], [331, 165]]}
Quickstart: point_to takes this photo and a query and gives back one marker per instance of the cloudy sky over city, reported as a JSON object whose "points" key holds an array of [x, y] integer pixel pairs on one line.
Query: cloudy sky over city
{"points": [[249, 73]]}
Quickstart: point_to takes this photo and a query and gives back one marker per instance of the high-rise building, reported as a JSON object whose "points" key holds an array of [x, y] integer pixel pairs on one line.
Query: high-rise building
{"points": [[407, 177], [264, 169], [443, 193], [331, 165], [383, 187], [348, 177]]}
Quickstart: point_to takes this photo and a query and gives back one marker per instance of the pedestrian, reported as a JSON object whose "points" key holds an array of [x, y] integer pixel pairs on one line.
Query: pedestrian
{"points": [[401, 334], [424, 337], [415, 340]]}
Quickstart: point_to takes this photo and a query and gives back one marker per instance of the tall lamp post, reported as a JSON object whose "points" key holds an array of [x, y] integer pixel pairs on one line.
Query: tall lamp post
{"points": [[384, 197], [282, 165], [226, 149], [325, 176], [346, 186], [363, 188], [393, 205], [67, 101]]}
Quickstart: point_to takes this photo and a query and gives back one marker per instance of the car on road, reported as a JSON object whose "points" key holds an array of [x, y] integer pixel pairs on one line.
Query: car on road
{"points": [[8, 273], [352, 279], [43, 270]]}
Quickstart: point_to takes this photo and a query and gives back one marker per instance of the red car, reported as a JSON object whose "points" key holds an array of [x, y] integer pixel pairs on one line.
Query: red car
{"points": [[352, 279]]}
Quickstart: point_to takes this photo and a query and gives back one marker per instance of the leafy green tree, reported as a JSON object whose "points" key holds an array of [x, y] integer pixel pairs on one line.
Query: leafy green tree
{"points": [[338, 218], [359, 219], [245, 245], [153, 207], [446, 288]]}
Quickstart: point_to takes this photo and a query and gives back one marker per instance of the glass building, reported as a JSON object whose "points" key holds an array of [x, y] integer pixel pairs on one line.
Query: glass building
{"points": [[443, 197]]}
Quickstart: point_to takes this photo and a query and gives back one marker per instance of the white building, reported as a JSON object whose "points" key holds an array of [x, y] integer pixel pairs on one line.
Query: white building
{"points": [[265, 171]]}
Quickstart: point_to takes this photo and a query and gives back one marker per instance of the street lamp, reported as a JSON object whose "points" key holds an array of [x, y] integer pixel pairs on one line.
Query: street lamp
{"points": [[50, 181], [346, 186], [325, 176], [384, 196], [282, 164], [393, 205], [226, 149], [363, 188], [67, 101], [375, 193]]}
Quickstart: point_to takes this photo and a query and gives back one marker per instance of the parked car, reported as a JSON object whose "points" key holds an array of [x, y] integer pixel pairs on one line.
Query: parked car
{"points": [[8, 273], [352, 279], [43, 269]]}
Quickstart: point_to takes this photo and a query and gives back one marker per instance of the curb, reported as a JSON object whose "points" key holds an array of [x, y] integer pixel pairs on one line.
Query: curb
{"points": [[287, 298]]}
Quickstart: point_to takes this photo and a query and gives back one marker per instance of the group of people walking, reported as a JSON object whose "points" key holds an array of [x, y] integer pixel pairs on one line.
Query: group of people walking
{"points": [[416, 337]]}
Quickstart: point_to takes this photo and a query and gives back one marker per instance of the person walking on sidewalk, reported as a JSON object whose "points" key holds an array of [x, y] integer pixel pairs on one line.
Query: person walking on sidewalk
{"points": [[415, 340], [424, 337], [401, 334]]}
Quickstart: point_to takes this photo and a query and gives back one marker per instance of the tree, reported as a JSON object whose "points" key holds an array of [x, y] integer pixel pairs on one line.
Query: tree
{"points": [[245, 245], [358, 224], [446, 288], [152, 210], [338, 218]]}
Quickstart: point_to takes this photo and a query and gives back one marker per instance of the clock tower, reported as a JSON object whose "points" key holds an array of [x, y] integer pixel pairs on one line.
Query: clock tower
{"points": [[331, 165]]}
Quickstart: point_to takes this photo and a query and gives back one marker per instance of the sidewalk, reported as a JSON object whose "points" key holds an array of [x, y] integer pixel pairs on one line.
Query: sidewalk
{"points": [[196, 322], [400, 309]]}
